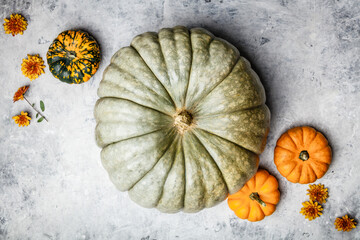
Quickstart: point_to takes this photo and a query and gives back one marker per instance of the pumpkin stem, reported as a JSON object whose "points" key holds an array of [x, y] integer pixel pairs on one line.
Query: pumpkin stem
{"points": [[255, 196], [71, 54], [304, 155], [183, 120]]}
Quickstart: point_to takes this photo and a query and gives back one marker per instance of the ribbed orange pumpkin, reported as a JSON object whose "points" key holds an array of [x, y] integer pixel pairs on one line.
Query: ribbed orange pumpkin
{"points": [[302, 155], [257, 199]]}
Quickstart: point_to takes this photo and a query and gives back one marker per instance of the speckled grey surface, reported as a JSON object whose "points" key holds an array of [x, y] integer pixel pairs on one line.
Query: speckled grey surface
{"points": [[52, 184]]}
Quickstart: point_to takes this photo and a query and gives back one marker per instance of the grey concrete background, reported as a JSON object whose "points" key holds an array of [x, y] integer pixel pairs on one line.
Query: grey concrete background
{"points": [[52, 184]]}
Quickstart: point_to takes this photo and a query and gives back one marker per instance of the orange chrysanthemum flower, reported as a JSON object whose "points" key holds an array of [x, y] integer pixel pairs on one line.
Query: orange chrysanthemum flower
{"points": [[19, 95], [23, 119], [311, 210], [318, 193], [344, 224], [33, 67], [15, 25]]}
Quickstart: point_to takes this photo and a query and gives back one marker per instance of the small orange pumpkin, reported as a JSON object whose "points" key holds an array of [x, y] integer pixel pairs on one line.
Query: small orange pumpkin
{"points": [[257, 199], [302, 155]]}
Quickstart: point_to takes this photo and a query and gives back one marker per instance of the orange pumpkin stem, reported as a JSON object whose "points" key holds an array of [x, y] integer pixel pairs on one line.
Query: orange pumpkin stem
{"points": [[255, 196], [304, 155]]}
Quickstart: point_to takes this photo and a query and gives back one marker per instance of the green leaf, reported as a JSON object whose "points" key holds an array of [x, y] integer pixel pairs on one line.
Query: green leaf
{"points": [[33, 104], [37, 115], [41, 119], [42, 105]]}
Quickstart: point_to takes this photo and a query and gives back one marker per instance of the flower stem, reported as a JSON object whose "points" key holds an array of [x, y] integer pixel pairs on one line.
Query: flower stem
{"points": [[36, 109]]}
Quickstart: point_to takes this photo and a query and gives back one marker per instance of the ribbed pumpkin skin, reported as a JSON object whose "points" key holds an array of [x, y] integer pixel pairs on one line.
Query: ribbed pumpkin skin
{"points": [[141, 92], [266, 186], [289, 147], [73, 57]]}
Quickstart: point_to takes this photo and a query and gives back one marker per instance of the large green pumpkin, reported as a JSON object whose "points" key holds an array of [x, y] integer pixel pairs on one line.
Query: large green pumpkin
{"points": [[181, 119]]}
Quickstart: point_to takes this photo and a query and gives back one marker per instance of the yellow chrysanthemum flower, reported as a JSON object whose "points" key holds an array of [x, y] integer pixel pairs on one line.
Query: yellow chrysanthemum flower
{"points": [[33, 67], [311, 210], [22, 120], [19, 95], [15, 25], [318, 193], [344, 223]]}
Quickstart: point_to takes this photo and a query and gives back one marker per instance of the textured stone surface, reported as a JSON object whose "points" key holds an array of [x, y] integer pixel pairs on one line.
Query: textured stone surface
{"points": [[52, 184]]}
